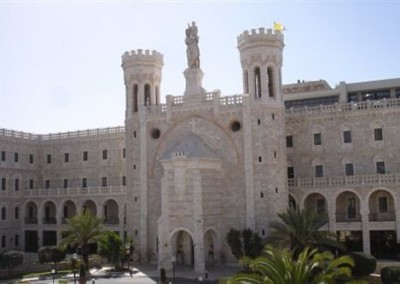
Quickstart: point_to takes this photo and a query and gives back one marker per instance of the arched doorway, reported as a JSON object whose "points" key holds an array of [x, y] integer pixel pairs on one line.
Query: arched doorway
{"points": [[183, 248]]}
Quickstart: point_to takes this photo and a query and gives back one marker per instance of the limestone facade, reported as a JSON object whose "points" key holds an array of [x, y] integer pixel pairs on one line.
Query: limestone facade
{"points": [[179, 175]]}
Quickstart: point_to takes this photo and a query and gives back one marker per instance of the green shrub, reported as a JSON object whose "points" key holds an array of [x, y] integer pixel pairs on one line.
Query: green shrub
{"points": [[390, 275], [364, 264]]}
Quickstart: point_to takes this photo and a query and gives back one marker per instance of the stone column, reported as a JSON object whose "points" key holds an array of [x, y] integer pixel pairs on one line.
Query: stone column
{"points": [[365, 227], [198, 234]]}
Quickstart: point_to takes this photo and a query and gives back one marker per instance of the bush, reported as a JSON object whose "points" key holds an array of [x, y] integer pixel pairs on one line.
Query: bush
{"points": [[364, 264], [390, 275]]}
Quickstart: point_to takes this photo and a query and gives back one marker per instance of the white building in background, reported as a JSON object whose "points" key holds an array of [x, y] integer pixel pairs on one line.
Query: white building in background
{"points": [[179, 175]]}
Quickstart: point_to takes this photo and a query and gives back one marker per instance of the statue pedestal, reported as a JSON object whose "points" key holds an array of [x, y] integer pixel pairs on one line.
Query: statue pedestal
{"points": [[194, 78]]}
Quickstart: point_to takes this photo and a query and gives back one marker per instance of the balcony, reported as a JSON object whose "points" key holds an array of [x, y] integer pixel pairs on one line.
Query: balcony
{"points": [[112, 220], [49, 220], [382, 217], [31, 220], [374, 179], [345, 217]]}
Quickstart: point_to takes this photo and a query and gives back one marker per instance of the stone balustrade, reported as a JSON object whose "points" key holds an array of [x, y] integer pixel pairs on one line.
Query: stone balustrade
{"points": [[375, 179], [340, 108], [56, 192]]}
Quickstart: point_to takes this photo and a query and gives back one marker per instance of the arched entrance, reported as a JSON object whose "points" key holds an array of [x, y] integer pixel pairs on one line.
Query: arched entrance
{"points": [[183, 248]]}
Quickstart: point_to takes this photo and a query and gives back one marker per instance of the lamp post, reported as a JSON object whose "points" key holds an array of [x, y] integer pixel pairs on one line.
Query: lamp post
{"points": [[128, 254], [74, 260], [53, 271]]}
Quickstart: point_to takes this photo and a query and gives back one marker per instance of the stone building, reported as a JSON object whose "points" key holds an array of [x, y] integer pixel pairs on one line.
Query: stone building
{"points": [[179, 175]]}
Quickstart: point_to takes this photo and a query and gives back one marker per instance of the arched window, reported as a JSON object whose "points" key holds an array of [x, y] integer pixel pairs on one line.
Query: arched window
{"points": [[147, 97], [135, 98], [270, 73], [246, 81], [157, 95], [257, 82]]}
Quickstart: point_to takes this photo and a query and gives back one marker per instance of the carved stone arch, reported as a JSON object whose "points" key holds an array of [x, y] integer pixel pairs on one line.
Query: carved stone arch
{"points": [[381, 204], [313, 200], [169, 134]]}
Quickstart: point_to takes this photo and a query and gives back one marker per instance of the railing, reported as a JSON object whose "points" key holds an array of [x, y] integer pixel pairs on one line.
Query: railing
{"points": [[31, 220], [75, 191], [49, 220], [374, 179], [346, 217], [63, 135], [344, 107], [382, 217], [111, 220]]}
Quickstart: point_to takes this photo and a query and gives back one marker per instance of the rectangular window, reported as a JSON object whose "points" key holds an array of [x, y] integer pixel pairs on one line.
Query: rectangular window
{"points": [[289, 141], [320, 205], [16, 184], [380, 167], [3, 213], [319, 171], [3, 155], [103, 181], [84, 182], [16, 213], [16, 157], [3, 184], [383, 206], [47, 184], [124, 180], [66, 157], [349, 169], [85, 155], [347, 136], [290, 172], [124, 153], [48, 158], [16, 240], [317, 139], [31, 159], [3, 241], [65, 183], [31, 182], [378, 134], [104, 154]]}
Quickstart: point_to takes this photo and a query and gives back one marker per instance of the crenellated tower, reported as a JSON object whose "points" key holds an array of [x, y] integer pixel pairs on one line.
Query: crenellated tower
{"points": [[142, 76], [263, 126], [261, 60]]}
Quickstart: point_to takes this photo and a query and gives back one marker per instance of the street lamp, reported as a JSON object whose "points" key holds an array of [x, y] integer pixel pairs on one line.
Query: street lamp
{"points": [[128, 254], [53, 271], [74, 260]]}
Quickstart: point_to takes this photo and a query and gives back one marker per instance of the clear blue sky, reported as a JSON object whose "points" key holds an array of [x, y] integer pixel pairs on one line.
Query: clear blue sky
{"points": [[60, 61]]}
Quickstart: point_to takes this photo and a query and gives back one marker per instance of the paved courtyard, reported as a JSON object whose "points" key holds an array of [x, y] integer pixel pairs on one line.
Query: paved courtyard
{"points": [[145, 275]]}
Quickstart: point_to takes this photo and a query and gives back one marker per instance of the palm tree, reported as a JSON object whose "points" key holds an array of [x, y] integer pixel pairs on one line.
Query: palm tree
{"points": [[81, 231], [280, 267], [301, 228]]}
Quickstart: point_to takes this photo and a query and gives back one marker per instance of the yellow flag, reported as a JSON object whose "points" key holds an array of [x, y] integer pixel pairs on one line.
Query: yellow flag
{"points": [[279, 27]]}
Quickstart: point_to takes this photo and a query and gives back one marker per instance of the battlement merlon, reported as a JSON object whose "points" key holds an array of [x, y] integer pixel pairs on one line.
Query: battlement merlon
{"points": [[261, 35], [142, 57]]}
